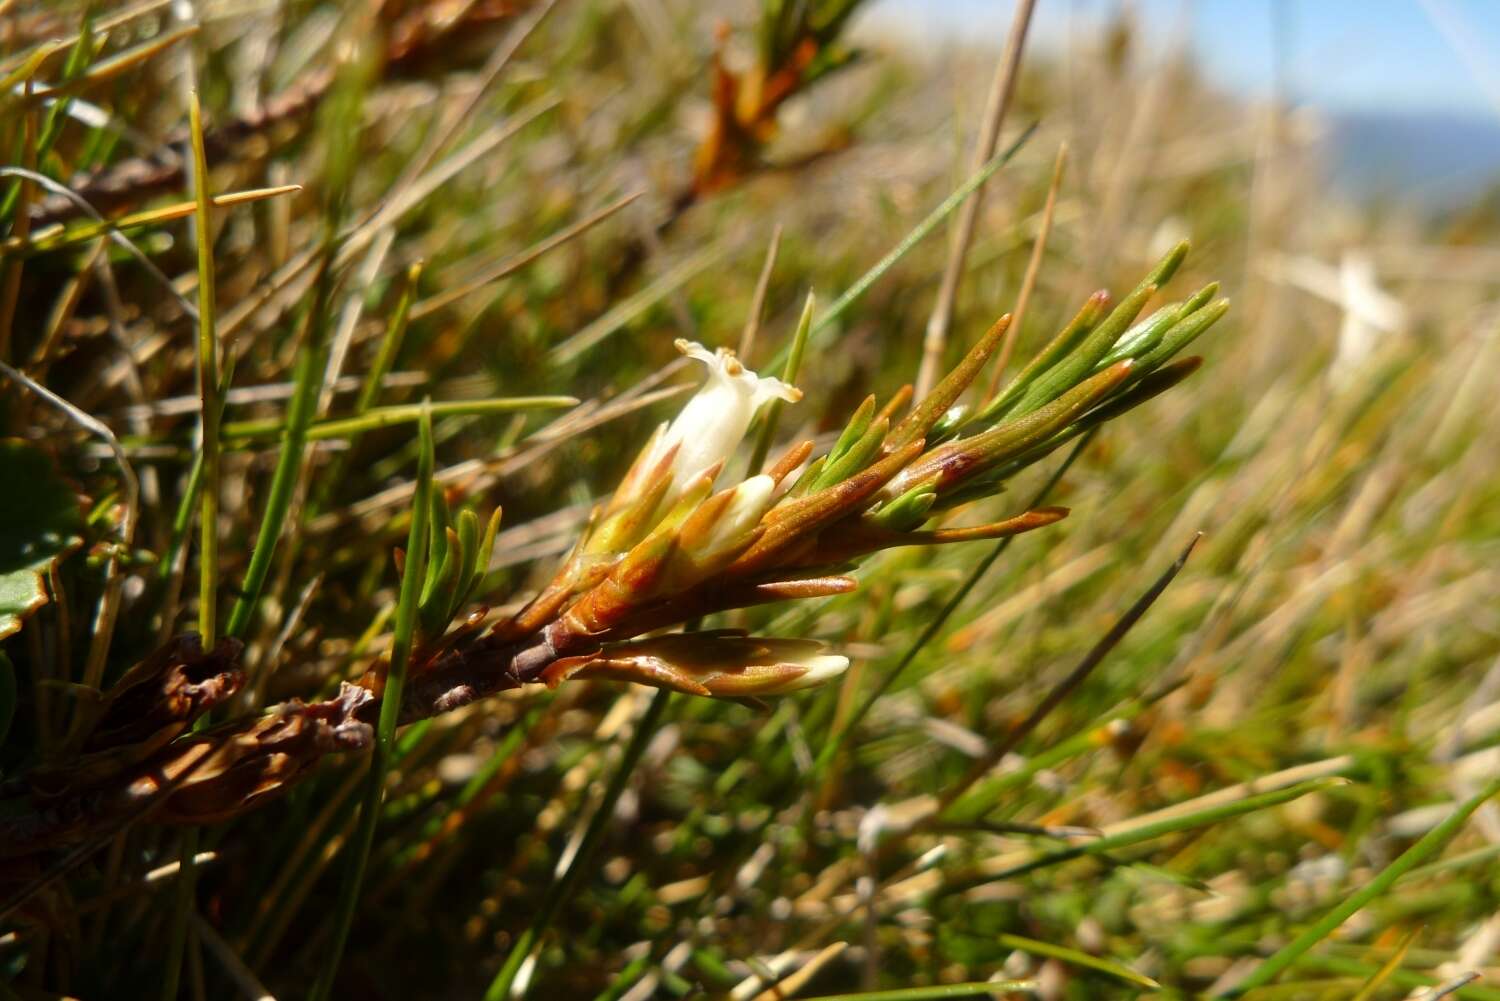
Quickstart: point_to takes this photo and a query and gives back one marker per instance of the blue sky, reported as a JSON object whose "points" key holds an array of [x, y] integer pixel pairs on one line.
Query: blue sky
{"points": [[1420, 56]]}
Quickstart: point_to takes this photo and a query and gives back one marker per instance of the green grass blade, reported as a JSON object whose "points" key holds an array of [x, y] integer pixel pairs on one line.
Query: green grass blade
{"points": [[208, 518], [1148, 832], [79, 57], [1405, 979], [1060, 691], [384, 417], [1074, 957], [390, 341], [977, 798], [789, 376], [308, 381], [1429, 844], [624, 979], [29, 66], [634, 306], [112, 67], [369, 390], [936, 623], [1389, 967], [208, 387], [922, 231], [561, 888], [357, 852], [970, 990]]}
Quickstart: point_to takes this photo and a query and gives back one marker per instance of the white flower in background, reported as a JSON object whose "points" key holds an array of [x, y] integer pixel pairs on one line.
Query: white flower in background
{"points": [[713, 423], [1370, 313]]}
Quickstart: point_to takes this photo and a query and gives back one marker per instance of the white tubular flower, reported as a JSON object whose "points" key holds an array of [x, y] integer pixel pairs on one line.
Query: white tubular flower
{"points": [[713, 423]]}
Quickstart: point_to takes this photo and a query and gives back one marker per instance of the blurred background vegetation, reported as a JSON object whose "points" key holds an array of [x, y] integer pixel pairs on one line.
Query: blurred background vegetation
{"points": [[583, 181]]}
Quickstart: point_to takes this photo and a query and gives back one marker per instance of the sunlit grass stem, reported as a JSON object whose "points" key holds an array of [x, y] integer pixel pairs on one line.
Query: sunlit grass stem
{"points": [[357, 851]]}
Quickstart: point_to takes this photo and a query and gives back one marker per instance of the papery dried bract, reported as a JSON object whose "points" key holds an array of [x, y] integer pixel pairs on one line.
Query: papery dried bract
{"points": [[151, 704], [220, 774]]}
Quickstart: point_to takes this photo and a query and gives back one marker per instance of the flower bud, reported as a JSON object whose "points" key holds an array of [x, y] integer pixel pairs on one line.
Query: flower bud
{"points": [[726, 529], [820, 668], [724, 664]]}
